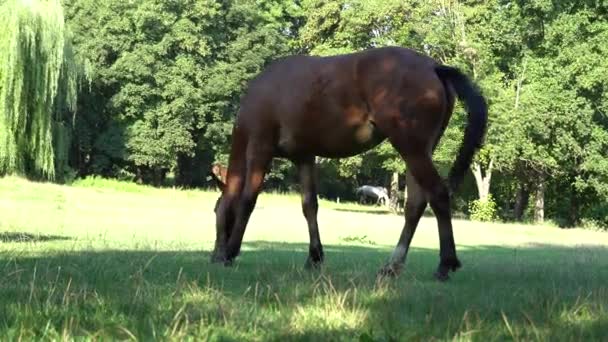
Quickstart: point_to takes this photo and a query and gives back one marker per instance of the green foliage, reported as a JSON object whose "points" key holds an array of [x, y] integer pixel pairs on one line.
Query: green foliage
{"points": [[483, 210], [596, 216], [167, 78], [38, 85]]}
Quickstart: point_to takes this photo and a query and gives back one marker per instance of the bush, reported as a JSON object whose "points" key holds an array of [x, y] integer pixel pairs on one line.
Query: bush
{"points": [[483, 210], [596, 216], [98, 182]]}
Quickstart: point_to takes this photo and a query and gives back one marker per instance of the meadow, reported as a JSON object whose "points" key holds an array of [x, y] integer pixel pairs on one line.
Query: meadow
{"points": [[103, 260]]}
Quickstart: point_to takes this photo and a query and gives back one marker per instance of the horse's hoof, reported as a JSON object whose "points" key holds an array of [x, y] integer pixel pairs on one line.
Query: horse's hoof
{"points": [[389, 271], [445, 266], [441, 276], [312, 264], [219, 258], [451, 264]]}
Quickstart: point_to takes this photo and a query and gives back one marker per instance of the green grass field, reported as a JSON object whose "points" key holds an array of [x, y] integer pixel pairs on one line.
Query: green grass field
{"points": [[104, 261]]}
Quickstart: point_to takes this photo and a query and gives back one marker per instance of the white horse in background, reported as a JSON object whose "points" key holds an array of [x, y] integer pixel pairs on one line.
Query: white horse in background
{"points": [[375, 193]]}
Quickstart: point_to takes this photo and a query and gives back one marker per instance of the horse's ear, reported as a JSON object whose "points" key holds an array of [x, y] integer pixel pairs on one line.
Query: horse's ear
{"points": [[216, 175]]}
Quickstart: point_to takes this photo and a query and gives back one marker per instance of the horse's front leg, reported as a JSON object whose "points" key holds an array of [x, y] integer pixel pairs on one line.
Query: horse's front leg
{"points": [[310, 207], [224, 222], [259, 156], [226, 205]]}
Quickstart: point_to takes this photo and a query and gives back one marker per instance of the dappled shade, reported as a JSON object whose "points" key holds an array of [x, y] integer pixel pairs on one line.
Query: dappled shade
{"points": [[506, 293]]}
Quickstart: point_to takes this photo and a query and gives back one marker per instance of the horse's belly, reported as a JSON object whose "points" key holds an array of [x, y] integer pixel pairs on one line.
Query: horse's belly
{"points": [[352, 142], [332, 142]]}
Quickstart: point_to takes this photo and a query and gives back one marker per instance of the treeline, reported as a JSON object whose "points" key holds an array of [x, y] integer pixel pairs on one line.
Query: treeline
{"points": [[161, 81]]}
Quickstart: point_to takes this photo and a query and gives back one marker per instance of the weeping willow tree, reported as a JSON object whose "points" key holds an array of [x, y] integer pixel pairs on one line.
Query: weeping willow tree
{"points": [[38, 84]]}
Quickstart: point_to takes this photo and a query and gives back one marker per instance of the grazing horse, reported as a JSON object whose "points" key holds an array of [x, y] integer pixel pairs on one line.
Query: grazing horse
{"points": [[300, 107], [376, 193]]}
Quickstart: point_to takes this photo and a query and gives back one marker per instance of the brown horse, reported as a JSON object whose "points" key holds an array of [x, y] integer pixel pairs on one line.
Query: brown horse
{"points": [[300, 107]]}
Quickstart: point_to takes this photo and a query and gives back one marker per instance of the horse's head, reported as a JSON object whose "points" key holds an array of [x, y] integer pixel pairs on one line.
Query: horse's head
{"points": [[218, 174]]}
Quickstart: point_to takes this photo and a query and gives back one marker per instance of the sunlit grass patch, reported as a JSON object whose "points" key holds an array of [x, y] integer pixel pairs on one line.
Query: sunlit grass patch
{"points": [[80, 263]]}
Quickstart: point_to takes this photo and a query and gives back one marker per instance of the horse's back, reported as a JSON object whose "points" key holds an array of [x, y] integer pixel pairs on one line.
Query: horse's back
{"points": [[282, 69], [326, 105]]}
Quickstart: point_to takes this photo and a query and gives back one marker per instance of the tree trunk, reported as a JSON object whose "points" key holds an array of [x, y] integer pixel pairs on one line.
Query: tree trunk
{"points": [[156, 176], [573, 209], [394, 191], [139, 176], [482, 179], [521, 201], [539, 206], [183, 176], [523, 193]]}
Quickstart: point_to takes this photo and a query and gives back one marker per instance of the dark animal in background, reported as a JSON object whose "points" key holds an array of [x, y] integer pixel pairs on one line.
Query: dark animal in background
{"points": [[300, 107], [377, 194]]}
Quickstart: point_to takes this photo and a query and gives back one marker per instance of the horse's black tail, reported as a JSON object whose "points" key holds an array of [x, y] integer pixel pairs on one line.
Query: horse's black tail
{"points": [[475, 130]]}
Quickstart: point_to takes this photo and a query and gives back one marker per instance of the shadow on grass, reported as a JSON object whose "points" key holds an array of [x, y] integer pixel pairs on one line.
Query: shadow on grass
{"points": [[365, 211], [553, 291], [27, 237], [382, 211]]}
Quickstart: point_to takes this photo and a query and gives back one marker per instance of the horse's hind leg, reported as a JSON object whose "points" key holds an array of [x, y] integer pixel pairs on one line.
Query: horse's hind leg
{"points": [[259, 155], [427, 176], [310, 208], [416, 153], [415, 205]]}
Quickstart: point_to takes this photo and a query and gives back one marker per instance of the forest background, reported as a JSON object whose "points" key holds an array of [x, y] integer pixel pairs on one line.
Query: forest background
{"points": [[147, 91]]}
